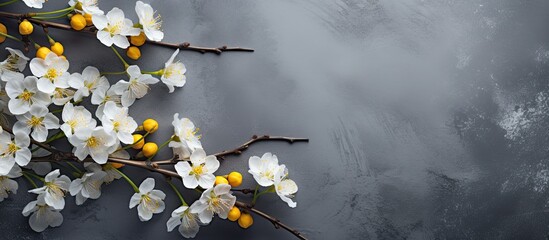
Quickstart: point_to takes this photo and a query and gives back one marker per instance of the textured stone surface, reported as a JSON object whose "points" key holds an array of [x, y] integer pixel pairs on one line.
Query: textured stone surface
{"points": [[428, 119]]}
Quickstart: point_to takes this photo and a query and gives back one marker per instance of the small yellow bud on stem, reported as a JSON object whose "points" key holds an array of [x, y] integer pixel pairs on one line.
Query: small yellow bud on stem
{"points": [[25, 27]]}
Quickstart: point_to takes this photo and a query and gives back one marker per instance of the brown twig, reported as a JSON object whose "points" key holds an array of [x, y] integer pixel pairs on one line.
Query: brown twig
{"points": [[255, 139], [92, 30]]}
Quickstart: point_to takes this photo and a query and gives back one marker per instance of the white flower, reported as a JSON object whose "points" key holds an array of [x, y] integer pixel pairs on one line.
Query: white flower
{"points": [[16, 62], [200, 173], [54, 189], [264, 169], [76, 118], [43, 215], [214, 200], [180, 150], [52, 72], [88, 186], [94, 142], [39, 120], [87, 82], [185, 130], [151, 24], [103, 95], [7, 185], [173, 73], [136, 88], [113, 28], [147, 200], [187, 222], [34, 3], [13, 151], [285, 188], [61, 96], [117, 119], [88, 6], [23, 94]]}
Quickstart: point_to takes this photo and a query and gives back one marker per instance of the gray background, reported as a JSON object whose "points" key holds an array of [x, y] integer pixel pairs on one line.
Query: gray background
{"points": [[427, 118]]}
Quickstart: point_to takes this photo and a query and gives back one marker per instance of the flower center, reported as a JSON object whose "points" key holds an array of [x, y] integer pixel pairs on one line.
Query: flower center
{"points": [[35, 121], [198, 170], [55, 189], [92, 142], [52, 74], [150, 203], [26, 95], [114, 28], [116, 125], [12, 148]]}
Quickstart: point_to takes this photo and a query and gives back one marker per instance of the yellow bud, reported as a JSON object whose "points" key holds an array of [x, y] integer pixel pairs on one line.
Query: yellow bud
{"points": [[3, 30], [117, 165], [25, 27], [88, 18], [78, 6], [220, 180], [234, 214], [245, 220], [133, 53], [42, 52], [138, 145], [57, 48], [138, 40], [63, 57], [78, 22], [150, 125], [235, 179], [150, 149]]}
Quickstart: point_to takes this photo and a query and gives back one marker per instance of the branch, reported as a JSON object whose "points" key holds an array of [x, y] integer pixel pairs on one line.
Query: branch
{"points": [[92, 30], [255, 139], [42, 145]]}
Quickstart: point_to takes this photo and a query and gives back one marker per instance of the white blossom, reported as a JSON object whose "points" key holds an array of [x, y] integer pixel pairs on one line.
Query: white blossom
{"points": [[75, 118], [51, 71], [95, 142], [264, 169], [103, 95], [185, 130], [285, 188], [217, 200], [180, 150], [88, 6], [116, 119], [8, 185], [200, 171], [62, 96], [87, 82], [151, 24], [135, 88], [54, 189], [173, 74], [39, 120], [88, 186], [188, 222], [148, 200], [43, 215], [113, 28], [13, 151], [23, 94], [34, 3], [15, 62]]}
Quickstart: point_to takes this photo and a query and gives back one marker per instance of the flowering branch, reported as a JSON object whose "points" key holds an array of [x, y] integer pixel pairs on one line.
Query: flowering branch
{"points": [[92, 30], [255, 139]]}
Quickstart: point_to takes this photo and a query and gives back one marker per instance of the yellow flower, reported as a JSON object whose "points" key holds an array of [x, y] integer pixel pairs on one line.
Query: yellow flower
{"points": [[3, 30], [133, 53], [78, 22], [245, 220], [57, 48], [220, 180], [42, 52], [88, 18], [25, 27], [150, 125], [138, 145], [235, 179], [234, 214], [150, 149], [138, 40]]}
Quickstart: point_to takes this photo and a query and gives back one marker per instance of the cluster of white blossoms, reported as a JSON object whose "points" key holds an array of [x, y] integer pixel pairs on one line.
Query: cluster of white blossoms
{"points": [[55, 103]]}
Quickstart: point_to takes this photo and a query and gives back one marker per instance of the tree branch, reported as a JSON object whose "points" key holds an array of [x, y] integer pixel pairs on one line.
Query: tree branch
{"points": [[255, 139], [92, 30]]}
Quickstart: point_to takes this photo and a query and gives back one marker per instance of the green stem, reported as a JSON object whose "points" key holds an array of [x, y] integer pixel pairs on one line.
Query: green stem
{"points": [[75, 168], [126, 65], [35, 176], [8, 3], [135, 188], [160, 147], [255, 194], [29, 179], [112, 73], [178, 193], [56, 11], [159, 72], [52, 17], [10, 37]]}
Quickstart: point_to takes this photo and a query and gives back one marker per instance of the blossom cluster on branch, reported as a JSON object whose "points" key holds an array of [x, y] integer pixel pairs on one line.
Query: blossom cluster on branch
{"points": [[92, 115]]}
